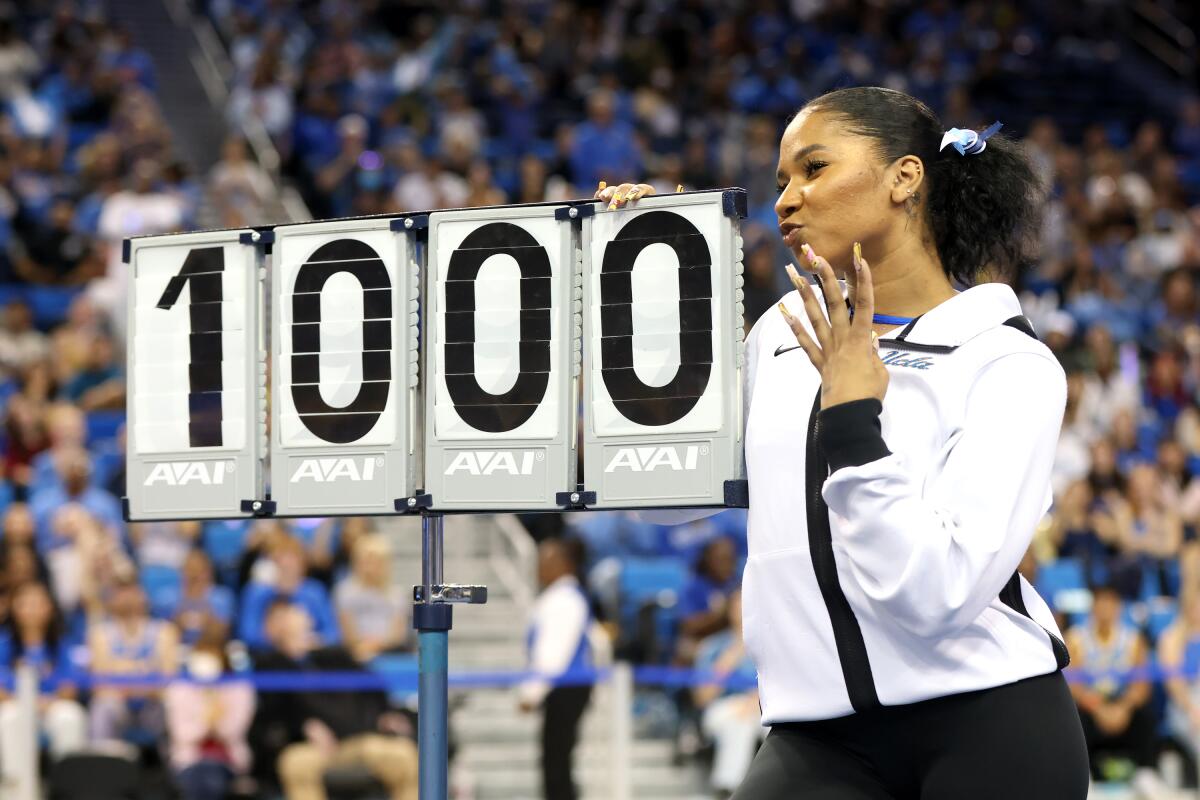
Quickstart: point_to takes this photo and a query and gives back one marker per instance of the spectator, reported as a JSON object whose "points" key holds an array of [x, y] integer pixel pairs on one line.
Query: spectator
{"points": [[75, 472], [21, 345], [559, 641], [208, 718], [202, 605], [37, 639], [731, 717], [371, 609], [238, 182], [1113, 707], [704, 602], [304, 733], [130, 642], [98, 384], [289, 582]]}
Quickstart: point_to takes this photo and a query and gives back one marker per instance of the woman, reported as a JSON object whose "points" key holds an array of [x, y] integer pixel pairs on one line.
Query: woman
{"points": [[208, 717], [899, 653], [371, 609], [37, 640]]}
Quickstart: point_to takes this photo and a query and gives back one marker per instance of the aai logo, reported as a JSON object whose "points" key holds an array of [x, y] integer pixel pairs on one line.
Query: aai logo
{"points": [[649, 459], [328, 470], [184, 473], [491, 462]]}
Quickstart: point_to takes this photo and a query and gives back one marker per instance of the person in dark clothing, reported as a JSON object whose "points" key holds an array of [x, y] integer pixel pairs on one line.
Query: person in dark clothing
{"points": [[301, 734]]}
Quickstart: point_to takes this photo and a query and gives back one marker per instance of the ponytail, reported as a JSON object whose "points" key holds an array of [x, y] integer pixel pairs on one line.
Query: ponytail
{"points": [[983, 211]]}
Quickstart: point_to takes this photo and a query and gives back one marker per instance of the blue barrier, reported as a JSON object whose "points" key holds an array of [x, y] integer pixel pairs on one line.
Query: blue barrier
{"points": [[405, 679]]}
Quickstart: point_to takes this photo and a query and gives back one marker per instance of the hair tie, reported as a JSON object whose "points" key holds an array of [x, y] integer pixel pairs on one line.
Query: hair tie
{"points": [[968, 142]]}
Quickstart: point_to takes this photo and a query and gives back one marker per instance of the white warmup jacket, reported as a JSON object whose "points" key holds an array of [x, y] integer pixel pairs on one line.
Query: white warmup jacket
{"points": [[893, 579]]}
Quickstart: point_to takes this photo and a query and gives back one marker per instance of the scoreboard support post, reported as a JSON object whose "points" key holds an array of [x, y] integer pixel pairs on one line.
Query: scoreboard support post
{"points": [[432, 618]]}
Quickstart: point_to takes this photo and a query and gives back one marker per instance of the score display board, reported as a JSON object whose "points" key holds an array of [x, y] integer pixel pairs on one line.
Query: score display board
{"points": [[663, 321], [344, 368], [196, 383], [503, 356], [461, 360]]}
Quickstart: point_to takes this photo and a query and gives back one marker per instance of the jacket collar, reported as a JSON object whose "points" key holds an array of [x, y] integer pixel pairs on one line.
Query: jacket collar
{"points": [[963, 317]]}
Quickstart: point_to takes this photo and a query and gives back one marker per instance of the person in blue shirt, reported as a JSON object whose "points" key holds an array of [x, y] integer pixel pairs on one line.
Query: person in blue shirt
{"points": [[35, 638], [704, 601], [291, 583], [75, 469], [201, 604]]}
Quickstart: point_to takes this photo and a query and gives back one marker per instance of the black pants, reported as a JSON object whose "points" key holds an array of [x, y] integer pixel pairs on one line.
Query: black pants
{"points": [[1137, 741], [1017, 742], [562, 710]]}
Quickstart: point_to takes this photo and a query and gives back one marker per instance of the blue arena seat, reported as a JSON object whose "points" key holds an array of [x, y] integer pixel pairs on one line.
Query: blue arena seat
{"points": [[102, 426], [1055, 577], [49, 304], [161, 584]]}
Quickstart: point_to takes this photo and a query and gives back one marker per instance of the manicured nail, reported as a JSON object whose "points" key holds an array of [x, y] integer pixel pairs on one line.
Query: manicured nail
{"points": [[678, 188], [603, 186], [809, 255], [858, 261], [791, 271], [784, 310]]}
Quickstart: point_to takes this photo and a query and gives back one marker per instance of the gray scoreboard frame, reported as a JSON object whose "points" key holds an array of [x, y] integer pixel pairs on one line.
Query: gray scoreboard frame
{"points": [[397, 464], [719, 478], [552, 460], [200, 499]]}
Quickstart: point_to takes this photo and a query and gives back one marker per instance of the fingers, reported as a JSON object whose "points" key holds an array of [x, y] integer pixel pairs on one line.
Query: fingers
{"points": [[810, 348], [864, 300], [835, 305], [621, 194], [812, 307]]}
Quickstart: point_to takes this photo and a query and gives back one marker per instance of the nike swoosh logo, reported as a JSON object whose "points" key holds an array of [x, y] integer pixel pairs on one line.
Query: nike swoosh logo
{"points": [[781, 349]]}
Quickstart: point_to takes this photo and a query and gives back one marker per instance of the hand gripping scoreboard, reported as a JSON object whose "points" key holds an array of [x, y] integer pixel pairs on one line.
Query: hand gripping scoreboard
{"points": [[462, 360]]}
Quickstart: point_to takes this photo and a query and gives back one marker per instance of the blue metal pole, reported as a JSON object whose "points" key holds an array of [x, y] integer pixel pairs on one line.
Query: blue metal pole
{"points": [[432, 621], [431, 712]]}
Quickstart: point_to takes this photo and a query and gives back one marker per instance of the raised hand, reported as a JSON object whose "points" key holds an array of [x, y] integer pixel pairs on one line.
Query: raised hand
{"points": [[846, 351]]}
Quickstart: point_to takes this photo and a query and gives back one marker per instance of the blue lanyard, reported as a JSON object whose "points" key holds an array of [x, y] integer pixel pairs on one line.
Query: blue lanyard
{"points": [[888, 319]]}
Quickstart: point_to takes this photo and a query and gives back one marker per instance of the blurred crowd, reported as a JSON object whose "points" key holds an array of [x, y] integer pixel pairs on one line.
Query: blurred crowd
{"points": [[385, 106]]}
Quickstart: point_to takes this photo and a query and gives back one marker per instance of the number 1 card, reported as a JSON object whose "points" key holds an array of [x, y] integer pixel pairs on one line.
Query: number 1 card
{"points": [[196, 390]]}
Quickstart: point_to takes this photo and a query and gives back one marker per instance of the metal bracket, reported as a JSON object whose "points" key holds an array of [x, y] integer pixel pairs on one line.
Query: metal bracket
{"points": [[452, 593], [126, 250], [575, 213], [737, 493], [414, 504], [734, 203], [257, 238], [259, 508], [579, 498], [418, 222]]}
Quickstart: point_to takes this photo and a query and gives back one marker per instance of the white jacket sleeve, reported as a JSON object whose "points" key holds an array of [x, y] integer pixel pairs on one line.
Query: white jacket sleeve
{"points": [[934, 550], [681, 516], [560, 621]]}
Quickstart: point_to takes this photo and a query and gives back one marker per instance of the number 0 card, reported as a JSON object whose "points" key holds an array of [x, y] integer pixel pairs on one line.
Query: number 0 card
{"points": [[196, 386]]}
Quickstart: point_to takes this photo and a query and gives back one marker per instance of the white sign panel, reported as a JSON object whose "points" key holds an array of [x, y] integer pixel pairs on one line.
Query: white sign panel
{"points": [[196, 382], [344, 351], [663, 322], [502, 353]]}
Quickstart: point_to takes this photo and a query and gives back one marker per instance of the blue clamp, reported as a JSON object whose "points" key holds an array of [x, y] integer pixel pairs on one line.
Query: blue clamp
{"points": [[575, 212], [415, 222], [258, 238], [734, 203], [737, 493]]}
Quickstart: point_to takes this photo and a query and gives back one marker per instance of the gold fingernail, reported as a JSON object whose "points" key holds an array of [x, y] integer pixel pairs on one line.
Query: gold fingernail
{"points": [[603, 185], [809, 255], [857, 255], [618, 197], [784, 310], [679, 188]]}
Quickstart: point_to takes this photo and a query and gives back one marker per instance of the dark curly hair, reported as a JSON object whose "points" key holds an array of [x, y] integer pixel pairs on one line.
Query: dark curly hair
{"points": [[983, 211]]}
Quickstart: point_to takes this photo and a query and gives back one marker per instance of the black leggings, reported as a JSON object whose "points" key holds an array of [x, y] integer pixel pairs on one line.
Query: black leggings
{"points": [[1021, 741]]}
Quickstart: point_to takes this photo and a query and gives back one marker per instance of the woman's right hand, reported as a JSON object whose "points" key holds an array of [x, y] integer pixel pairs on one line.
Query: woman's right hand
{"points": [[618, 196]]}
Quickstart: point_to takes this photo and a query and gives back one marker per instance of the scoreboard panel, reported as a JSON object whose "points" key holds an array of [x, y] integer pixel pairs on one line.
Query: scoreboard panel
{"points": [[344, 350], [196, 383], [663, 322], [503, 358]]}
